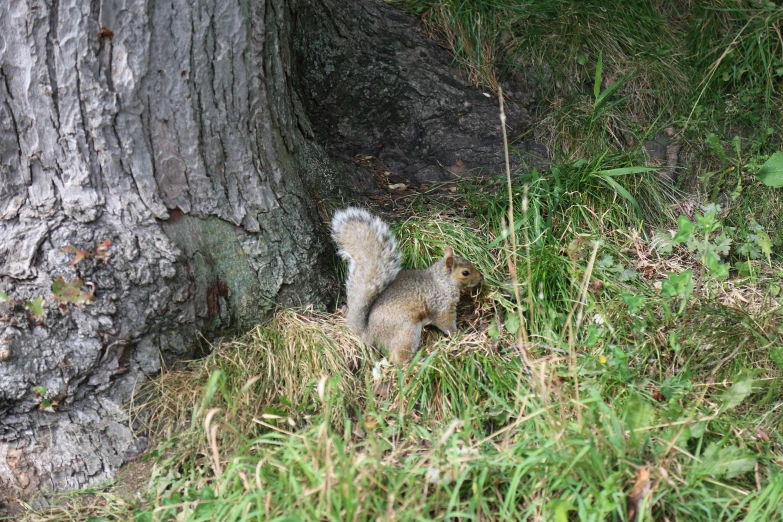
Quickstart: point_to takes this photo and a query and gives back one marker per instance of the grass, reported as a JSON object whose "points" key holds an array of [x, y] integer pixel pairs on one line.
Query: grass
{"points": [[644, 394], [692, 67], [288, 423]]}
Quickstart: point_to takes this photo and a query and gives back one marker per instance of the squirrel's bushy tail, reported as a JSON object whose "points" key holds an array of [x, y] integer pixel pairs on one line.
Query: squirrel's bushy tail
{"points": [[368, 245]]}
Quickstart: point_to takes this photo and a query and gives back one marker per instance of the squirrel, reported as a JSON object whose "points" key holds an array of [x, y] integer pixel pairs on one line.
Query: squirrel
{"points": [[388, 306]]}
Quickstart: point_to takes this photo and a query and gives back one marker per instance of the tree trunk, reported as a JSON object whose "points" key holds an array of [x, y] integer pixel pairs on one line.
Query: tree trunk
{"points": [[167, 128], [188, 134]]}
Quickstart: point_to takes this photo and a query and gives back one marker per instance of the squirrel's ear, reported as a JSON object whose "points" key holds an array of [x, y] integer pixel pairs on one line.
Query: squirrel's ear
{"points": [[448, 255]]}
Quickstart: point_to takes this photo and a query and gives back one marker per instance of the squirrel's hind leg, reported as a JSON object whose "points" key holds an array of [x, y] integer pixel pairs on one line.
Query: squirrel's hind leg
{"points": [[405, 342]]}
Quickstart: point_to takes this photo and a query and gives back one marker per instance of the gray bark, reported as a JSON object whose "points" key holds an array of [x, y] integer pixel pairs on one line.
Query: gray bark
{"points": [[194, 136]]}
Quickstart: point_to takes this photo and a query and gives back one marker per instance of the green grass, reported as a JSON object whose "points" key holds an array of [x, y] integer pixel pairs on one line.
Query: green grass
{"points": [[286, 424], [692, 67]]}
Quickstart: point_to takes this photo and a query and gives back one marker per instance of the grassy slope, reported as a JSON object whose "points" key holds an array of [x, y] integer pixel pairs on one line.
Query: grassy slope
{"points": [[632, 379]]}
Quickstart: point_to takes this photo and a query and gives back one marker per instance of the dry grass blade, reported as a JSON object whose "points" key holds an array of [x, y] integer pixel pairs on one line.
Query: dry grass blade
{"points": [[512, 246]]}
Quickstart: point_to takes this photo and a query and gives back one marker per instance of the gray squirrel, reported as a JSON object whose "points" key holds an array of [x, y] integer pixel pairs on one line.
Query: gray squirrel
{"points": [[388, 306]]}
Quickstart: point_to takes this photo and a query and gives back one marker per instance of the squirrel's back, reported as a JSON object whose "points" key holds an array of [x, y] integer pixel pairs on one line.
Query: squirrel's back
{"points": [[368, 245]]}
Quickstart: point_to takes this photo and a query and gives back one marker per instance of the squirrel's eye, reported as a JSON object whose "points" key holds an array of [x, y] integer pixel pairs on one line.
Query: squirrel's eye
{"points": [[465, 273]]}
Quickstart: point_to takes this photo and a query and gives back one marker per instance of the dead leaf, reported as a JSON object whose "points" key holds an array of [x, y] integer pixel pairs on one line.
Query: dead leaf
{"points": [[80, 256], [459, 168], [635, 498], [102, 251], [381, 389], [105, 33], [596, 285]]}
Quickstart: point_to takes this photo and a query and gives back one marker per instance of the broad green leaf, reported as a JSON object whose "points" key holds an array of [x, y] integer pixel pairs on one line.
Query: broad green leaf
{"points": [[559, 509], [726, 462], [598, 72], [698, 429], [512, 323], [594, 334], [737, 393], [722, 243], [58, 285], [639, 414], [677, 284], [717, 269], [142, 516], [711, 209], [41, 390], [634, 302], [493, 331], [771, 172], [609, 91], [765, 243], [707, 223], [605, 262], [206, 511], [626, 170], [686, 230], [744, 268], [4, 298]]}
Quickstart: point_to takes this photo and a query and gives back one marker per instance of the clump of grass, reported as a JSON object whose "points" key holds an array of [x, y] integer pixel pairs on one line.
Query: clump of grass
{"points": [[268, 375], [739, 338], [739, 47], [500, 39]]}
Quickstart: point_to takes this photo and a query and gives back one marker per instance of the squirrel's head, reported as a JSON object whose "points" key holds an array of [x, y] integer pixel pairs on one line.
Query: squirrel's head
{"points": [[460, 270]]}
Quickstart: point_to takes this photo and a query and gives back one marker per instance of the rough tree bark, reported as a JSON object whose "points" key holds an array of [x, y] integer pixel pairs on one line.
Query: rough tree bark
{"points": [[194, 136]]}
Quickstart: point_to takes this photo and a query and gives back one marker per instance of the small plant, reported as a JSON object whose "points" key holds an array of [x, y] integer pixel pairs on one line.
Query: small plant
{"points": [[615, 268], [39, 394], [741, 161], [677, 285], [711, 240], [755, 243], [36, 307], [70, 293], [101, 251], [706, 236], [66, 292]]}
